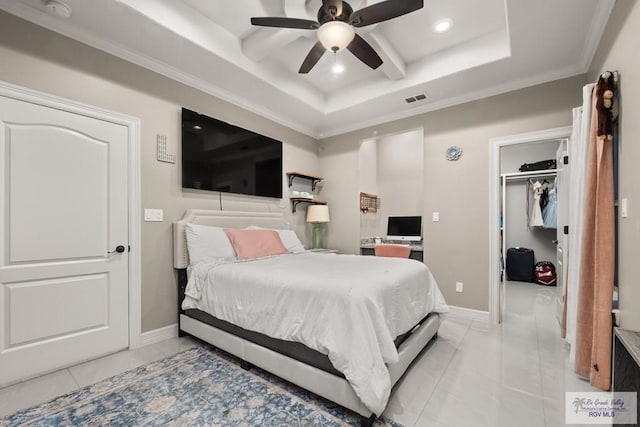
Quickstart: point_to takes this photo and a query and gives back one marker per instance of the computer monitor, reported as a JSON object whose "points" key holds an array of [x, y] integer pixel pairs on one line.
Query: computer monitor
{"points": [[404, 228]]}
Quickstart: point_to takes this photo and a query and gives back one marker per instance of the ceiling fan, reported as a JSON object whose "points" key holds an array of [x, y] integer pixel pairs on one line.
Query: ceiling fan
{"points": [[335, 25]]}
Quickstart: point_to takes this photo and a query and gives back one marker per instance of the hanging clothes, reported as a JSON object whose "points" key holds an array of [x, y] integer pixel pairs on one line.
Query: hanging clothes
{"points": [[544, 198], [550, 209], [535, 219]]}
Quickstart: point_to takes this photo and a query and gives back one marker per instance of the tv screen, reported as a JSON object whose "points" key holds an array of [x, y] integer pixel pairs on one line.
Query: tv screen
{"points": [[404, 227], [219, 156]]}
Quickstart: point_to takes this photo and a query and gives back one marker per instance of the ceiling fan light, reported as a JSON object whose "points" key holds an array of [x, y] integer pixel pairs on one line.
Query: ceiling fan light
{"points": [[336, 35]]}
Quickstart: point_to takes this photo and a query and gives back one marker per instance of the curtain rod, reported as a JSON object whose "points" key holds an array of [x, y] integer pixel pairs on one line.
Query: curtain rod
{"points": [[526, 175]]}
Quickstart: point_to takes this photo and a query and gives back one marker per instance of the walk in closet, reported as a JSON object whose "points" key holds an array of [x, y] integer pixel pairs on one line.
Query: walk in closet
{"points": [[531, 208]]}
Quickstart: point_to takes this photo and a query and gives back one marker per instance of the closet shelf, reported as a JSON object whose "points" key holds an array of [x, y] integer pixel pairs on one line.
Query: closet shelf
{"points": [[532, 174]]}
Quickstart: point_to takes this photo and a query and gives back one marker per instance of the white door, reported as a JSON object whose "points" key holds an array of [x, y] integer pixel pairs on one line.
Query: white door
{"points": [[63, 208], [562, 194]]}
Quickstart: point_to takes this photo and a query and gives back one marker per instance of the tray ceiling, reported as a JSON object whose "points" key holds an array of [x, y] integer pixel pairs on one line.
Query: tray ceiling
{"points": [[493, 46]]}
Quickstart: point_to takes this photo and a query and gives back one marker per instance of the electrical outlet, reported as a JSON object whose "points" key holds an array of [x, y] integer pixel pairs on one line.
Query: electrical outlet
{"points": [[459, 286]]}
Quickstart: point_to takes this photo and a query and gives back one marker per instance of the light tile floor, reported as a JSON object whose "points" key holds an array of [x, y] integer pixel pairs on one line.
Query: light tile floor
{"points": [[474, 374]]}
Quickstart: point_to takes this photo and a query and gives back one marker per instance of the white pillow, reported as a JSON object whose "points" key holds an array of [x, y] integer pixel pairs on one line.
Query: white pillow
{"points": [[289, 239], [206, 242]]}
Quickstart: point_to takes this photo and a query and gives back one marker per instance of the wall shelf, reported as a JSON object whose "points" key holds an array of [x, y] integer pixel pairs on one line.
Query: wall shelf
{"points": [[295, 201], [314, 179]]}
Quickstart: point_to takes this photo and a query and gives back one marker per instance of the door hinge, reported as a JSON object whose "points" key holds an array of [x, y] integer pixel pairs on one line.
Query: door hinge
{"points": [[566, 229], [129, 248], [565, 160]]}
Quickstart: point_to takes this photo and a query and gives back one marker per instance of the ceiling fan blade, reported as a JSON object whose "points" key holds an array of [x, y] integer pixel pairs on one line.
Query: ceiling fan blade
{"points": [[364, 52], [337, 4], [312, 58], [384, 11], [301, 24]]}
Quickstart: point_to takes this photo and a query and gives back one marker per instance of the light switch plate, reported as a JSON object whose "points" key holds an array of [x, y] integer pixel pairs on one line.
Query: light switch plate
{"points": [[436, 216], [153, 215], [624, 208]]}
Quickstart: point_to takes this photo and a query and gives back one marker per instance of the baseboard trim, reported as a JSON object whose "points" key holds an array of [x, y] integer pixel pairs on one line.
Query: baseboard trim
{"points": [[468, 314], [160, 334]]}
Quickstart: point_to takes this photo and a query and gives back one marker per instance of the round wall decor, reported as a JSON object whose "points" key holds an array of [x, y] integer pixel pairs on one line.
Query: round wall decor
{"points": [[454, 153]]}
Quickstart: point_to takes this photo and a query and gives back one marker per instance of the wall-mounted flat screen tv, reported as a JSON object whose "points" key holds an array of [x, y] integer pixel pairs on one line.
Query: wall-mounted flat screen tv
{"points": [[404, 228], [219, 156]]}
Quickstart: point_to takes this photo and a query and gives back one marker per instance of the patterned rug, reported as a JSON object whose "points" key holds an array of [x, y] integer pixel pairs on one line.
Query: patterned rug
{"points": [[199, 387]]}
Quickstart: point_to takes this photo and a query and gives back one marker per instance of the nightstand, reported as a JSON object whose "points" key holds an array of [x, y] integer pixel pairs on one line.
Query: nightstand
{"points": [[323, 251]]}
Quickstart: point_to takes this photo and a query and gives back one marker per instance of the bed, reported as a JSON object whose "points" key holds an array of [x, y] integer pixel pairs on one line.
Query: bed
{"points": [[299, 291]]}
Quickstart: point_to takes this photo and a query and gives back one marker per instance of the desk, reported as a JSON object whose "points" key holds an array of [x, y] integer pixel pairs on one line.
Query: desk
{"points": [[416, 249]]}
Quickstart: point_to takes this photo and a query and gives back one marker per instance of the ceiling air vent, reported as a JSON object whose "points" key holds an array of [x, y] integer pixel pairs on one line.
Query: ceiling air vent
{"points": [[418, 97]]}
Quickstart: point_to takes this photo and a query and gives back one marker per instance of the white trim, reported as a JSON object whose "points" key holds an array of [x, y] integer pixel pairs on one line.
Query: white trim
{"points": [[47, 21], [468, 314], [51, 23], [158, 335], [598, 25], [133, 125], [495, 144], [135, 236]]}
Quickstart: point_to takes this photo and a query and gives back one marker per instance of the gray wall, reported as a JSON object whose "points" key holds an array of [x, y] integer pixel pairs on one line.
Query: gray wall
{"points": [[368, 183], [456, 247], [618, 50], [399, 176], [39, 59]]}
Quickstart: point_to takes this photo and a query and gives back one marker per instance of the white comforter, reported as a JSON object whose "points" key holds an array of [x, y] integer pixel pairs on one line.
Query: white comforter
{"points": [[345, 306]]}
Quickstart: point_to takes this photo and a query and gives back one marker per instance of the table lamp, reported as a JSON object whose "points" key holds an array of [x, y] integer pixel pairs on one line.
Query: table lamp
{"points": [[317, 215]]}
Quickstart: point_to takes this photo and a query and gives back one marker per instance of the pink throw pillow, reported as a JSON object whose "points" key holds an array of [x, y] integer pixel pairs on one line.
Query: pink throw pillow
{"points": [[250, 244]]}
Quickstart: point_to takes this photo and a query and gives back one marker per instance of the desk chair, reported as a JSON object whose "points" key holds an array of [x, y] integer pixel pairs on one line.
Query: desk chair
{"points": [[392, 250]]}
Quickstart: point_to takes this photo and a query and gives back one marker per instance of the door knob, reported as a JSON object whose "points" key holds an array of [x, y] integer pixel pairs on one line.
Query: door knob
{"points": [[119, 249]]}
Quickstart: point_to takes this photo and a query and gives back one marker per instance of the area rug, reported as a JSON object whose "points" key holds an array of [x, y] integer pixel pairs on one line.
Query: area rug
{"points": [[199, 387]]}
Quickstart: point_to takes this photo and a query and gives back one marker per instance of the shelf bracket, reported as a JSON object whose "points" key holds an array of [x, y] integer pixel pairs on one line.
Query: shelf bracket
{"points": [[314, 181], [295, 203]]}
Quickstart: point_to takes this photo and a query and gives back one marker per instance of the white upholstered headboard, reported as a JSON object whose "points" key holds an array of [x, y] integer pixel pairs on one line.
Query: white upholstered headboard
{"points": [[227, 219]]}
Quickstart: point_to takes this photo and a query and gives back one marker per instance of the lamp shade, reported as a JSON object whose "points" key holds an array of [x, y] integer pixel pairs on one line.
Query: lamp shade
{"points": [[318, 213], [336, 35]]}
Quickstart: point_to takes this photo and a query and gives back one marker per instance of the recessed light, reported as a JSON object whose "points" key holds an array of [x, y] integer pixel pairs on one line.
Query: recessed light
{"points": [[197, 127], [337, 68], [442, 25]]}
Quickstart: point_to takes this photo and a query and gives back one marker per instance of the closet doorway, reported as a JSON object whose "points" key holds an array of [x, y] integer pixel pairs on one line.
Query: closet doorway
{"points": [[512, 203]]}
